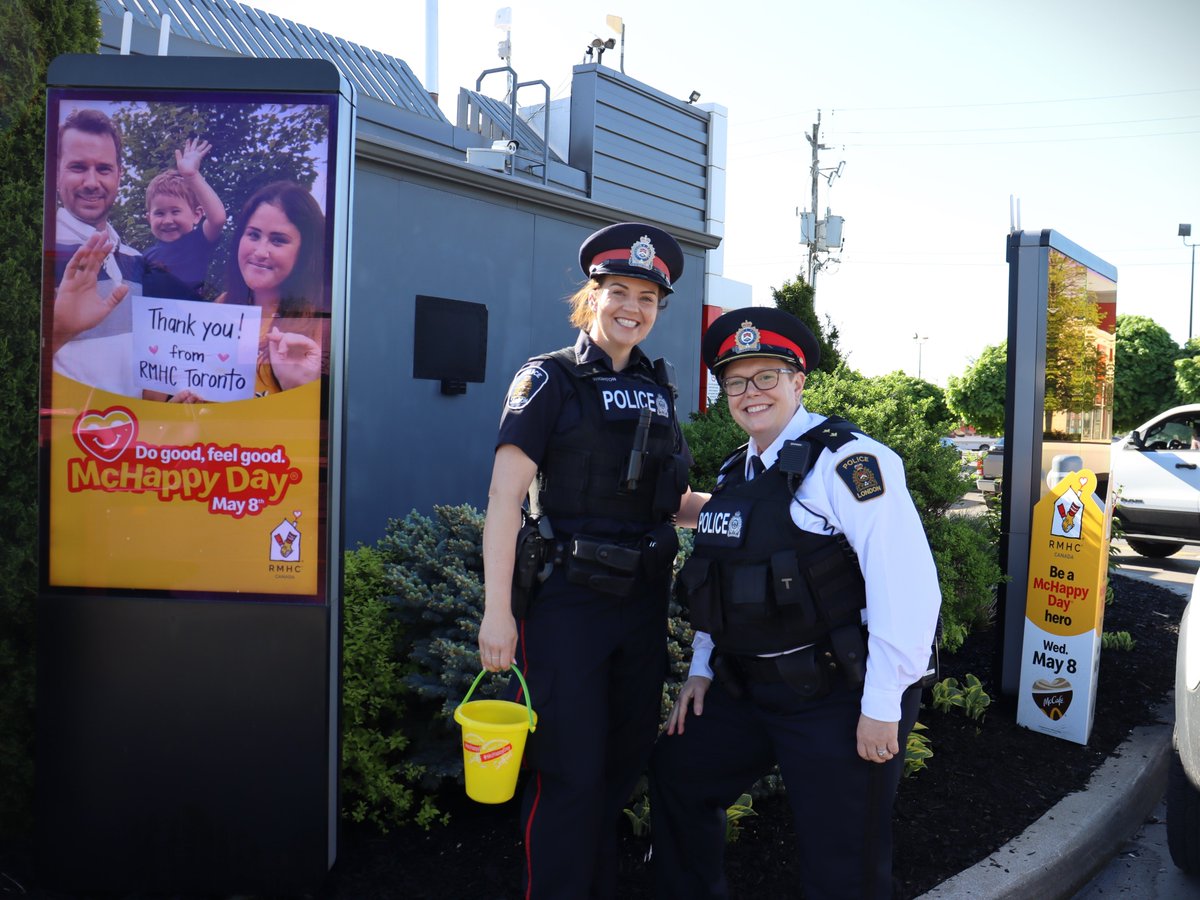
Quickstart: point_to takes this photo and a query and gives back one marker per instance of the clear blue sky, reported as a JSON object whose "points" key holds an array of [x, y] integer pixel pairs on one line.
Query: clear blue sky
{"points": [[1088, 111]]}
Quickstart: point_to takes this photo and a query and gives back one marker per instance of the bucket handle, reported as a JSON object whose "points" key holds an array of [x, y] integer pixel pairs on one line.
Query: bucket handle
{"points": [[524, 690]]}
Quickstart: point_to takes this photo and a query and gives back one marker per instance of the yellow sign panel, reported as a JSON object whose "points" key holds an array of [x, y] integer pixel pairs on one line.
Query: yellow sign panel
{"points": [[220, 497], [1064, 609]]}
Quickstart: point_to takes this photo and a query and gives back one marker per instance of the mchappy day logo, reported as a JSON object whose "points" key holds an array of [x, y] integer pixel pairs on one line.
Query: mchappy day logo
{"points": [[231, 479], [105, 435]]}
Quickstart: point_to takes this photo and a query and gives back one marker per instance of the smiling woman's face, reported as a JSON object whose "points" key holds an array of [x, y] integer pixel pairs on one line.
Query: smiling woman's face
{"points": [[764, 414], [267, 252]]}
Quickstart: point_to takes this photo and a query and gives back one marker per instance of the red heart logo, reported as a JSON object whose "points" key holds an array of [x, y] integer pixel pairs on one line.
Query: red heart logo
{"points": [[154, 348], [223, 357], [105, 435]]}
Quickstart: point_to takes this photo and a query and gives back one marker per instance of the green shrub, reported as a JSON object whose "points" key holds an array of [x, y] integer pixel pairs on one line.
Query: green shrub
{"points": [[965, 551], [377, 781], [32, 32], [712, 436]]}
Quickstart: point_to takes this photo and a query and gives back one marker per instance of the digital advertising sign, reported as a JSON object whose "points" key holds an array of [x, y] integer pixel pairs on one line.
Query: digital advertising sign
{"points": [[186, 321], [194, 303]]}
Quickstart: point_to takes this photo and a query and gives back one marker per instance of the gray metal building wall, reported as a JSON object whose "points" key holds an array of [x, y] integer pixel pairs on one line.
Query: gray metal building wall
{"points": [[426, 223], [408, 445]]}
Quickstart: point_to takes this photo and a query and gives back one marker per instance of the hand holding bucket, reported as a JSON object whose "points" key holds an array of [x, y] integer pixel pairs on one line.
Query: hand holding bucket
{"points": [[493, 740]]}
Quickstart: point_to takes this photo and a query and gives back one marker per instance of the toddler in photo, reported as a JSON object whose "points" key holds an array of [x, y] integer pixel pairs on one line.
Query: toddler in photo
{"points": [[186, 217]]}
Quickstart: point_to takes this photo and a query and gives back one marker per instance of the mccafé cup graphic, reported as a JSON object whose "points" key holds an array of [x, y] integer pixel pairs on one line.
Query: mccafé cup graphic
{"points": [[1052, 696]]}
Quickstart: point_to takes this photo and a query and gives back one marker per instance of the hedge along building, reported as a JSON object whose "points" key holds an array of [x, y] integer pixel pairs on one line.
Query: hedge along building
{"points": [[462, 255]]}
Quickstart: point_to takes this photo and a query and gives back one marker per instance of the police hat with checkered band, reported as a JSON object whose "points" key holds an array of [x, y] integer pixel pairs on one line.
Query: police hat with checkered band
{"points": [[631, 248], [756, 331]]}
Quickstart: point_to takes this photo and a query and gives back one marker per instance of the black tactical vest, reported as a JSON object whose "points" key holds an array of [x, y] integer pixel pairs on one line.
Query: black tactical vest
{"points": [[756, 581], [582, 476]]}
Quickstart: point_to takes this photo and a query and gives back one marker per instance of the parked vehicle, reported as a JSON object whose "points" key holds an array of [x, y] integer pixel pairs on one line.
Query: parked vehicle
{"points": [[1095, 456], [1183, 778], [1156, 482], [973, 442], [991, 470]]}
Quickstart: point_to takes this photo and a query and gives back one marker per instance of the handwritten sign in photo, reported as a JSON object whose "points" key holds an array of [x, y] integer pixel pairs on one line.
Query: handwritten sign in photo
{"points": [[209, 349]]}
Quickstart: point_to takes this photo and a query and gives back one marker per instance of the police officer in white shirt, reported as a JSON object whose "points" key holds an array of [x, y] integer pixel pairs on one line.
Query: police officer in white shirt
{"points": [[815, 599]]}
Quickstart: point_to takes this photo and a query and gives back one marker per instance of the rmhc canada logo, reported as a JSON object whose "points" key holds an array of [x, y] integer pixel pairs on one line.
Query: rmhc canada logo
{"points": [[229, 479]]}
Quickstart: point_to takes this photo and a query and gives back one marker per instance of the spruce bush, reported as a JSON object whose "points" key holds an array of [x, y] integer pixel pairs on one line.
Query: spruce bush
{"points": [[435, 573]]}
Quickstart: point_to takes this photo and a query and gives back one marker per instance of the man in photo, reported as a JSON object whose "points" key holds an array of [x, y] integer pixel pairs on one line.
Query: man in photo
{"points": [[92, 341]]}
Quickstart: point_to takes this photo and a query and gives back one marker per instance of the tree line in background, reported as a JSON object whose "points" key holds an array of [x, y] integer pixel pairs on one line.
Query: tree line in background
{"points": [[1153, 373]]}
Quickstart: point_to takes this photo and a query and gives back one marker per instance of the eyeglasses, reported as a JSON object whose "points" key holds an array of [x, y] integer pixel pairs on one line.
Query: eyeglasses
{"points": [[764, 381]]}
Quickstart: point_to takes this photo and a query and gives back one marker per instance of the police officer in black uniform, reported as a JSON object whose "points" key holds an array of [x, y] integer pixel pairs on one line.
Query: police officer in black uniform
{"points": [[577, 584], [815, 598]]}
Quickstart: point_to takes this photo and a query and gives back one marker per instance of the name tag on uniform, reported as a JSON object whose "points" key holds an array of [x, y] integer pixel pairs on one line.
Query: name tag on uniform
{"points": [[722, 523]]}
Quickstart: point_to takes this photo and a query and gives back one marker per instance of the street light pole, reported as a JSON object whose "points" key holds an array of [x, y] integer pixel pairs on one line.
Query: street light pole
{"points": [[920, 345], [1185, 232]]}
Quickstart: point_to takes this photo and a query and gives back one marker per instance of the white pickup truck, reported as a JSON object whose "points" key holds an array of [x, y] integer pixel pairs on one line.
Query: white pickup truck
{"points": [[1095, 456], [1156, 482]]}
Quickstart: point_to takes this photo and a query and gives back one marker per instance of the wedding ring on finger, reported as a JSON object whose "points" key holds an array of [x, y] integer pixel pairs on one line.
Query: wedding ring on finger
{"points": [[881, 752]]}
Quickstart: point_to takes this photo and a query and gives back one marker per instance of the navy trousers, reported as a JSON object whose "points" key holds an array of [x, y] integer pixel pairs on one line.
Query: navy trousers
{"points": [[841, 804], [595, 665]]}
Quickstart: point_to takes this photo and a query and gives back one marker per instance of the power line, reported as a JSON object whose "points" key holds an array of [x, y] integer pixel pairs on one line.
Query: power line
{"points": [[1015, 102], [1027, 127], [1065, 140], [897, 145]]}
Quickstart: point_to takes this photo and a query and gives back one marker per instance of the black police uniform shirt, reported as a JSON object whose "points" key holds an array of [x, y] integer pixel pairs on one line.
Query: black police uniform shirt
{"points": [[541, 402], [859, 491]]}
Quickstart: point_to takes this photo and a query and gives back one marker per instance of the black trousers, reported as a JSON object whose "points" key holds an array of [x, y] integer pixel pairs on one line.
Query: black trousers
{"points": [[595, 665], [841, 804]]}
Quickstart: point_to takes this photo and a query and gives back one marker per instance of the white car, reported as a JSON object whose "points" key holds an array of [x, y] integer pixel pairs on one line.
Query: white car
{"points": [[1155, 481], [1183, 779]]}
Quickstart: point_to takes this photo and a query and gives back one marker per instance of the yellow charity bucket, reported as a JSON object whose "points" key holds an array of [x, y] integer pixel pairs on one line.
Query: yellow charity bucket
{"points": [[493, 739]]}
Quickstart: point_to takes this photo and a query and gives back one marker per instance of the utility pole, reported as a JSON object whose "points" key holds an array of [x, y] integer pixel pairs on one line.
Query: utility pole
{"points": [[819, 235], [814, 142]]}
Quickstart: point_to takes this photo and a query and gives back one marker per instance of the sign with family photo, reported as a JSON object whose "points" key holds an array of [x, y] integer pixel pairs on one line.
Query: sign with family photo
{"points": [[187, 310]]}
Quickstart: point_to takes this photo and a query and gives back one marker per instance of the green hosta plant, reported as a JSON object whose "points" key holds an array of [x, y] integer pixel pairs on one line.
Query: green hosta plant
{"points": [[1117, 640], [917, 750], [972, 699], [733, 816]]}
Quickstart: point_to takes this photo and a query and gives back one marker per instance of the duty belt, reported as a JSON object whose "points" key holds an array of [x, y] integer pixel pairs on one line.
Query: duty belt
{"points": [[603, 565]]}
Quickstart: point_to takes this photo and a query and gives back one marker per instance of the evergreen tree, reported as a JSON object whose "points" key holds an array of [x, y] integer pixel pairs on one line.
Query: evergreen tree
{"points": [[799, 298], [32, 33], [1146, 372]]}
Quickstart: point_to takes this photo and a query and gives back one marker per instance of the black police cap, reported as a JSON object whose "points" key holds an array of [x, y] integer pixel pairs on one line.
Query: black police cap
{"points": [[760, 331], [631, 248]]}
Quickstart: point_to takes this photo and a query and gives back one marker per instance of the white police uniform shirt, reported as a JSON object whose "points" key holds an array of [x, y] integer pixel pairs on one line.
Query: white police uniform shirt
{"points": [[903, 595]]}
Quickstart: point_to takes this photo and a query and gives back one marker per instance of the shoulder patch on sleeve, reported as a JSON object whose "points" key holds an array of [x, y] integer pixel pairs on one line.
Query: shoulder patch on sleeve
{"points": [[861, 473], [525, 385]]}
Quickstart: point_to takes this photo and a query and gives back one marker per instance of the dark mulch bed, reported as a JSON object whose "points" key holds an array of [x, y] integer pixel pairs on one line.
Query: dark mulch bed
{"points": [[984, 785]]}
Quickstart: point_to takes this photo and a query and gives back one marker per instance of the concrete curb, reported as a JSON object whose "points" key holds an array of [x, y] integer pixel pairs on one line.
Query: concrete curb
{"points": [[1062, 851]]}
